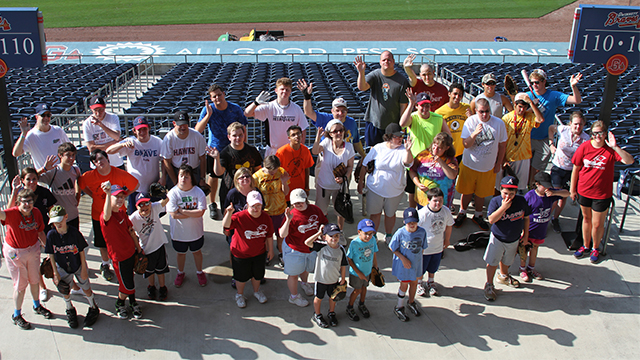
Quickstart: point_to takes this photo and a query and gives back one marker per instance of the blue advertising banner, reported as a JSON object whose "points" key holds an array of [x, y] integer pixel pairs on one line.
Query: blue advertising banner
{"points": [[21, 37]]}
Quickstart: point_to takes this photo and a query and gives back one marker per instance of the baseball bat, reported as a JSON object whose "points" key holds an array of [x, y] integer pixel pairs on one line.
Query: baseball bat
{"points": [[525, 76]]}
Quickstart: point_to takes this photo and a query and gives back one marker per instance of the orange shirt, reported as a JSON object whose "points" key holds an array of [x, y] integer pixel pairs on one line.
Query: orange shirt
{"points": [[295, 162], [92, 180]]}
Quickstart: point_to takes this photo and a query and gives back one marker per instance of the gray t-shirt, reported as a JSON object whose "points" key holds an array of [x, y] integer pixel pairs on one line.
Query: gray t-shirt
{"points": [[495, 103], [386, 95], [329, 262], [63, 186]]}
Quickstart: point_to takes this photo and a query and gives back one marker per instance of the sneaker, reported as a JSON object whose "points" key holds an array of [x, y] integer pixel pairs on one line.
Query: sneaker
{"points": [[555, 223], [151, 292], [399, 311], [241, 301], [107, 274], [595, 255], [135, 310], [91, 317], [581, 252], [421, 291], [307, 288], [44, 295], [534, 274], [280, 260], [433, 291], [333, 321], [179, 280], [121, 311], [481, 222], [489, 292], [508, 281], [387, 239], [363, 309], [260, 296], [21, 322], [267, 262], [413, 307], [43, 311], [163, 293], [77, 291], [202, 279], [351, 313], [459, 220], [214, 213], [298, 300], [233, 283], [72, 318], [524, 275], [319, 319]]}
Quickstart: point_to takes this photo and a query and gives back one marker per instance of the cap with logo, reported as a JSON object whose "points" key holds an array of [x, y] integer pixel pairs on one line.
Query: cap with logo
{"points": [[298, 196], [139, 122], [410, 215], [142, 197], [509, 182], [331, 229], [181, 118], [97, 102], [42, 108], [254, 197], [423, 98], [366, 225], [488, 77], [117, 189], [56, 214], [339, 102]]}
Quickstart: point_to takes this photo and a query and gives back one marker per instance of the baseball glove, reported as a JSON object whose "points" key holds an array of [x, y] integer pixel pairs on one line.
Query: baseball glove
{"points": [[377, 279], [157, 191], [63, 287], [45, 268], [339, 292], [510, 85], [140, 264], [340, 171]]}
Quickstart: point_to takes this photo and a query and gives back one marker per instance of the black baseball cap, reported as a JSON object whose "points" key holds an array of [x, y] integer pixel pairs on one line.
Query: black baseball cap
{"points": [[509, 182], [181, 118], [331, 229], [96, 102]]}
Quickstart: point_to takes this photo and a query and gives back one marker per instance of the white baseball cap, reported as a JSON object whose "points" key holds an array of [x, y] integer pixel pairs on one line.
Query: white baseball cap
{"points": [[297, 196], [339, 102]]}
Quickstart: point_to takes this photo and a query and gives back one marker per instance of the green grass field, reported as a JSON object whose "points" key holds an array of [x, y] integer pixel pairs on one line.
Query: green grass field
{"points": [[65, 13]]}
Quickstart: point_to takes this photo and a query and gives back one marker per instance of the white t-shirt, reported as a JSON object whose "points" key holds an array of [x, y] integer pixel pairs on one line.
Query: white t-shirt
{"points": [[92, 132], [280, 118], [324, 176], [435, 223], [187, 151], [143, 161], [149, 230], [42, 144], [482, 155], [389, 177], [566, 147], [187, 229]]}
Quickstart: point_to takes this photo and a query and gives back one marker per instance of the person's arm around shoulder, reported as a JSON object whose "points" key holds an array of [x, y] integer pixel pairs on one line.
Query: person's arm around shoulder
{"points": [[575, 97], [363, 85]]}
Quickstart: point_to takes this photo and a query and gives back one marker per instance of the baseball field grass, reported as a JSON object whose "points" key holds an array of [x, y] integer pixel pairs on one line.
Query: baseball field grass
{"points": [[74, 13]]}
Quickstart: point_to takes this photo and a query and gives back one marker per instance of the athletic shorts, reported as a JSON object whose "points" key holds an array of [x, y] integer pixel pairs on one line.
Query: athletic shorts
{"points": [[431, 263], [325, 197], [68, 278], [277, 221], [377, 203], [23, 265], [560, 178], [157, 262], [410, 188], [124, 273], [210, 171], [498, 251], [597, 205], [536, 241], [98, 239], [245, 269], [541, 154], [181, 247], [372, 135], [357, 283], [475, 182], [295, 262], [321, 289]]}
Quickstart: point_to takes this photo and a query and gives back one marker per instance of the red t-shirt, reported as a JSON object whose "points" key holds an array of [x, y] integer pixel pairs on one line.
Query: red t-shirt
{"points": [[304, 224], [595, 179], [22, 231], [92, 180], [438, 92], [250, 236], [116, 234]]}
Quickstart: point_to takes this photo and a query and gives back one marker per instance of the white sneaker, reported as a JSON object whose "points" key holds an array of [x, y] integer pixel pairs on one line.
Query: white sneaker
{"points": [[260, 296], [241, 301], [298, 300], [44, 295], [77, 292], [307, 288]]}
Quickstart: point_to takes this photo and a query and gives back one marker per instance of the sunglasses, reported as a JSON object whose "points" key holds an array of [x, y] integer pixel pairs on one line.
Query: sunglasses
{"points": [[484, 111], [46, 115], [244, 177], [336, 131], [490, 83], [536, 82], [597, 133]]}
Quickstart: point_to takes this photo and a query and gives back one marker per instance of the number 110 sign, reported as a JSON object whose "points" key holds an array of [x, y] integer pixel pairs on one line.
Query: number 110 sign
{"points": [[603, 34], [22, 42]]}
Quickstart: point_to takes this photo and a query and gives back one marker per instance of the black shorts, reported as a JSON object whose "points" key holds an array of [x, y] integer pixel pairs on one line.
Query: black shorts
{"points": [[245, 269], [98, 239], [597, 205], [560, 178], [411, 187], [157, 262], [182, 247], [124, 273], [210, 171], [322, 289]]}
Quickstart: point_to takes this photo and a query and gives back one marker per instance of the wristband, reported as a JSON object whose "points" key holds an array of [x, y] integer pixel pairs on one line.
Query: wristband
{"points": [[256, 103], [306, 94]]}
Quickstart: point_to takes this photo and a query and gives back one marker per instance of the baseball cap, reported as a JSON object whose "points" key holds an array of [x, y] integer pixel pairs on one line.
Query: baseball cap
{"points": [[509, 182], [181, 118], [42, 108], [488, 77], [520, 97], [139, 122], [56, 214], [339, 102], [254, 197], [393, 129], [540, 72], [96, 102], [117, 189], [366, 225], [423, 98], [331, 229], [142, 197], [410, 215], [297, 196], [544, 179]]}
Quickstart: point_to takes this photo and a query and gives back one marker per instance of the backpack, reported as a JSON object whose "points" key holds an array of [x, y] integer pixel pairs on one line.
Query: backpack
{"points": [[477, 240]]}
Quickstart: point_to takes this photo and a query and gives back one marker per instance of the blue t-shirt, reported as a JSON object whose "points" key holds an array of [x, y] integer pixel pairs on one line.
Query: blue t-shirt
{"points": [[410, 245], [540, 213], [547, 103], [362, 255], [219, 121], [509, 228], [352, 135]]}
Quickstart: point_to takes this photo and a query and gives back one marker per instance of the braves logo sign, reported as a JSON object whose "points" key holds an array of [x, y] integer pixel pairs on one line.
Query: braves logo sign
{"points": [[623, 19]]}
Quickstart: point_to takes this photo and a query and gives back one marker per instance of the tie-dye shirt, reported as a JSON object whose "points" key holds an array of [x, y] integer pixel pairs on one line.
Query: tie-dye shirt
{"points": [[431, 175]]}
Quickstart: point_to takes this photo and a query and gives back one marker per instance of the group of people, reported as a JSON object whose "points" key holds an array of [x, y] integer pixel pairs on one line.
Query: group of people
{"points": [[451, 146]]}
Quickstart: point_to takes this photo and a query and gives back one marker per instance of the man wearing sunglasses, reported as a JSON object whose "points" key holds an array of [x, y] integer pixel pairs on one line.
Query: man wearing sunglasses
{"points": [[43, 140], [496, 100]]}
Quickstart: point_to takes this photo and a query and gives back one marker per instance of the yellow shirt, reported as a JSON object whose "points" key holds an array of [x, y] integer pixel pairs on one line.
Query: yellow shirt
{"points": [[519, 147], [271, 188], [455, 118]]}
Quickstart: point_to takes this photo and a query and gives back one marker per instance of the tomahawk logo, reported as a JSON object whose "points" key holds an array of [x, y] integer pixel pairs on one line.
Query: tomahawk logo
{"points": [[4, 24]]}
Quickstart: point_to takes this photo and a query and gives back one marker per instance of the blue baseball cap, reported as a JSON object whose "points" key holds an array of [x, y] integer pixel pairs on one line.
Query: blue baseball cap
{"points": [[139, 122], [331, 229], [509, 182], [117, 189], [366, 225], [410, 215], [42, 108], [142, 197]]}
